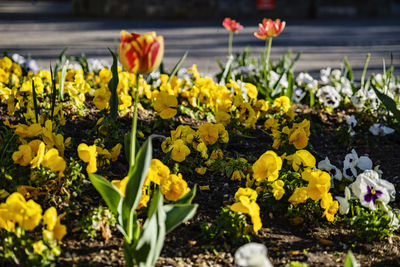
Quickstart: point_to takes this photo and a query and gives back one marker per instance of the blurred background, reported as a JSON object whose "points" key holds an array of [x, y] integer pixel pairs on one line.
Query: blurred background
{"points": [[325, 31]]}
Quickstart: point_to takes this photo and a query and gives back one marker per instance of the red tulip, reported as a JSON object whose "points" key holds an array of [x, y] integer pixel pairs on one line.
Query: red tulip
{"points": [[231, 25], [141, 54], [269, 28]]}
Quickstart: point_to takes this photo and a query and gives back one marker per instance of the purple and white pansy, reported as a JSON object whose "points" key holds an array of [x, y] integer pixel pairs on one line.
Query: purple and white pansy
{"points": [[369, 188]]}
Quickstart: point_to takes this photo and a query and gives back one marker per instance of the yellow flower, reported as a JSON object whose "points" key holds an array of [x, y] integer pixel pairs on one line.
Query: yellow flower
{"points": [[102, 98], [302, 159], [217, 154], [222, 117], [39, 247], [298, 138], [53, 161], [271, 123], [88, 154], [50, 218], [247, 192], [277, 189], [299, 195], [237, 175], [174, 187], [23, 156], [25, 131], [247, 205], [165, 105], [121, 185], [115, 151], [3, 193], [60, 230], [202, 148], [267, 167], [37, 147], [282, 103], [331, 207], [158, 172], [179, 151], [319, 183], [166, 144], [200, 170], [208, 133]]}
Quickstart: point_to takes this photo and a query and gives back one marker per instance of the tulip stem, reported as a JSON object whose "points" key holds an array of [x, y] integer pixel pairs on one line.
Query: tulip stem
{"points": [[230, 43], [267, 51], [132, 154]]}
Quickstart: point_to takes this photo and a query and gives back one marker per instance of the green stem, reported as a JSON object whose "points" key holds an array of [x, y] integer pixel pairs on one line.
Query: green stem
{"points": [[365, 69], [230, 44], [267, 50], [134, 125]]}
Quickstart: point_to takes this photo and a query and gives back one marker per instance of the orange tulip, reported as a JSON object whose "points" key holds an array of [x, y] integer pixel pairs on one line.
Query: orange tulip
{"points": [[231, 25], [141, 54], [269, 28]]}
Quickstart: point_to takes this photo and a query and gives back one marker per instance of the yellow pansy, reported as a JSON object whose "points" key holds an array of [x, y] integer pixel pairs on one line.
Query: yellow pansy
{"points": [[277, 189], [282, 103], [38, 148], [300, 195], [39, 247], [246, 204], [237, 175], [23, 156], [165, 105], [121, 185], [179, 151], [88, 154], [208, 133], [25, 131], [174, 187], [267, 167], [222, 117], [53, 161], [202, 148], [298, 138], [302, 159], [319, 183], [158, 172], [200, 170]]}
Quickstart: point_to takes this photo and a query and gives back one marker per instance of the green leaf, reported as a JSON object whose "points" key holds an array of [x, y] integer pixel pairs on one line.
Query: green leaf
{"points": [[136, 178], [108, 191], [349, 70], [350, 260], [128, 254], [188, 197], [290, 89], [388, 102], [112, 85], [177, 214], [53, 94], [84, 64], [35, 101], [227, 70], [62, 80], [177, 66], [150, 243]]}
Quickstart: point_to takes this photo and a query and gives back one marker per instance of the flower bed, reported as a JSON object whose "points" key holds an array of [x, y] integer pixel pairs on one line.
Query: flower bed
{"points": [[306, 166]]}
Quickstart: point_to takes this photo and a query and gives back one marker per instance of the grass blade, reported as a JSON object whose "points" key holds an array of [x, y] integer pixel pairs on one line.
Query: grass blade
{"points": [[177, 66]]}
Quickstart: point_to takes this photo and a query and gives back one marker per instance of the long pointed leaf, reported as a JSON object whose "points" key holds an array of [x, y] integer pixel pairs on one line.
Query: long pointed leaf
{"points": [[35, 101], [177, 214], [388, 102], [177, 66], [188, 197], [112, 86], [62, 80], [108, 191]]}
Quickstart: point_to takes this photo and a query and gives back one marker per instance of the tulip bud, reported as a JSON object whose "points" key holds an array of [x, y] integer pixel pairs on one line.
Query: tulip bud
{"points": [[141, 54]]}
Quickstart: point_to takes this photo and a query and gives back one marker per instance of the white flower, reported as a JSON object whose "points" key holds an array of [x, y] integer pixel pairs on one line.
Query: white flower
{"points": [[369, 188], [344, 205], [345, 87], [303, 79], [335, 75], [324, 74], [274, 77], [18, 59], [329, 96], [380, 129], [364, 163], [351, 159], [252, 255], [298, 95], [351, 121], [359, 98], [326, 165]]}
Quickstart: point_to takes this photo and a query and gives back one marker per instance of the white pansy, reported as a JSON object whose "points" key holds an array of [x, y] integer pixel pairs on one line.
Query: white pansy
{"points": [[324, 75], [274, 77], [364, 163], [369, 188], [252, 255], [359, 98], [351, 159], [18, 59], [351, 121], [345, 87], [298, 94], [335, 75], [344, 205], [303, 79], [326, 165], [329, 96], [380, 129]]}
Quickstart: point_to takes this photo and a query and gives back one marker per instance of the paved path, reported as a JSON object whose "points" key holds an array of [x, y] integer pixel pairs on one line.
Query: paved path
{"points": [[31, 29]]}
